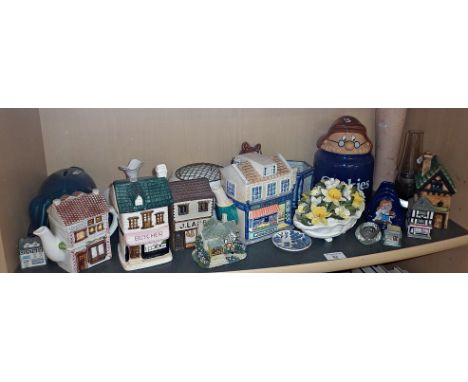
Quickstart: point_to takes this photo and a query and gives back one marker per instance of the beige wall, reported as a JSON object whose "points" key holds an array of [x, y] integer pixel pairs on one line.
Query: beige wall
{"points": [[21, 172], [99, 140], [445, 134]]}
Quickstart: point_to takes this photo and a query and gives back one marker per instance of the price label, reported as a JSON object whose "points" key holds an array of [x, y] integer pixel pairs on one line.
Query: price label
{"points": [[335, 256]]}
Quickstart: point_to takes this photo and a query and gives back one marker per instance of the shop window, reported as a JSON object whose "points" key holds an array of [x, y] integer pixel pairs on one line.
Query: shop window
{"points": [[271, 189], [183, 209], [230, 189], [133, 223], [147, 221], [285, 185], [203, 206], [80, 235], [256, 193], [160, 218]]}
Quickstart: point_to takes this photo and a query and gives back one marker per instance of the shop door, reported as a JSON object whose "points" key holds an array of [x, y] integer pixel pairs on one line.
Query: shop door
{"points": [[81, 260], [190, 237], [135, 252]]}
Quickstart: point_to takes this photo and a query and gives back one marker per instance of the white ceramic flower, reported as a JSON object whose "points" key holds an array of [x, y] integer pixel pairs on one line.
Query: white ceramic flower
{"points": [[331, 183], [347, 191], [333, 195], [342, 212], [315, 191], [316, 201], [301, 208]]}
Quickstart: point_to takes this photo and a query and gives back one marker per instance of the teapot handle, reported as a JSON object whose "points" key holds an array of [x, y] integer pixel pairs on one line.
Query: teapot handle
{"points": [[115, 220]]}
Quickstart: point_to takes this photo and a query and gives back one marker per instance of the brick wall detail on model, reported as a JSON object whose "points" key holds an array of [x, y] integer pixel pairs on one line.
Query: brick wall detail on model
{"points": [[193, 205], [262, 188]]}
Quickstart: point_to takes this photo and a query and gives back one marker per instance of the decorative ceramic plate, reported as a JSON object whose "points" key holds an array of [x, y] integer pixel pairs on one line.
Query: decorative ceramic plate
{"points": [[291, 240]]}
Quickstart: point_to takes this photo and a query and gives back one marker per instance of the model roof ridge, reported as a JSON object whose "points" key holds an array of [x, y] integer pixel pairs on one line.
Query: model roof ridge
{"points": [[191, 189], [436, 166]]}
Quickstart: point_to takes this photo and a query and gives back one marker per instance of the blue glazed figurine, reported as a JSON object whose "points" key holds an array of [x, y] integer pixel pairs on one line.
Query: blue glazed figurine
{"points": [[345, 153], [384, 208]]}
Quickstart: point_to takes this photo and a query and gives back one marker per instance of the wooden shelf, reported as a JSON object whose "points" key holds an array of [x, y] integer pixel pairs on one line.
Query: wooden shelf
{"points": [[265, 257]]}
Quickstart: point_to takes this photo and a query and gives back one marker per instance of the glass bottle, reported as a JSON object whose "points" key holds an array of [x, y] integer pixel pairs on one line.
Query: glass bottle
{"points": [[408, 165]]}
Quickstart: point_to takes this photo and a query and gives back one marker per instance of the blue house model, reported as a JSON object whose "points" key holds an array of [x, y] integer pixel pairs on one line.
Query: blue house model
{"points": [[262, 189]]}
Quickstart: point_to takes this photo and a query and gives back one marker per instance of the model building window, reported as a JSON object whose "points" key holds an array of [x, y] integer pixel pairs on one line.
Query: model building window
{"points": [[133, 223], [99, 219], [80, 235], [100, 227], [183, 209], [147, 221], [271, 190], [256, 193], [285, 185], [98, 252], [160, 218], [138, 201], [202, 206], [231, 189], [92, 230], [90, 221]]}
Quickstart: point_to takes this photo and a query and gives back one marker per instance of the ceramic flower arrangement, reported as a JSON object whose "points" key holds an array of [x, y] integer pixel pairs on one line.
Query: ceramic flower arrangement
{"points": [[329, 209]]}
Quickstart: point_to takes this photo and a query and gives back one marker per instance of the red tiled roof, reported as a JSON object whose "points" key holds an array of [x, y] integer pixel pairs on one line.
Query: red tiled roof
{"points": [[80, 206]]}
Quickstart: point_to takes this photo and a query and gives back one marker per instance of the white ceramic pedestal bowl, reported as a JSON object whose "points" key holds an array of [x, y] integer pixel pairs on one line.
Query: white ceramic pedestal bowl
{"points": [[333, 229]]}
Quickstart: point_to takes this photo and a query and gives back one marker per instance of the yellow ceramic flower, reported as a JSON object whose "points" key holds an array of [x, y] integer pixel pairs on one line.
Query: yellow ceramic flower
{"points": [[301, 208], [333, 195], [358, 199], [318, 215]]}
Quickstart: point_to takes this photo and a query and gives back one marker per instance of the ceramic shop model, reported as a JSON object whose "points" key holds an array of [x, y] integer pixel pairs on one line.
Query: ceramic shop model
{"points": [[330, 209], [345, 153], [389, 125], [62, 182], [261, 188], [420, 217], [392, 236], [143, 208], [79, 234], [225, 207], [193, 206], [218, 244], [435, 184], [304, 180], [31, 253], [384, 208]]}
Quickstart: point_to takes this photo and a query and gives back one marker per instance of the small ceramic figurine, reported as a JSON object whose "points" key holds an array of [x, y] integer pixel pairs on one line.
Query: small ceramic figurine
{"points": [[384, 208], [345, 153], [79, 235], [143, 208], [435, 184], [218, 244], [392, 236], [225, 208], [193, 205], [31, 253], [419, 218], [262, 188]]}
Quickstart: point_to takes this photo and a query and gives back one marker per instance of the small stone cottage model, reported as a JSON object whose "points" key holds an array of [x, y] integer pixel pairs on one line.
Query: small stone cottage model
{"points": [[79, 235], [193, 204], [262, 188], [143, 208], [435, 184], [420, 217]]}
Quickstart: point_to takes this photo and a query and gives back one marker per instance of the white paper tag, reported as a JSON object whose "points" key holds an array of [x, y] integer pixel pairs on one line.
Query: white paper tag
{"points": [[335, 256]]}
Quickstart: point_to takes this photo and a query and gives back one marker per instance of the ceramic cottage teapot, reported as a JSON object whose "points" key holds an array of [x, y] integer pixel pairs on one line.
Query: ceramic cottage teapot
{"points": [[79, 234]]}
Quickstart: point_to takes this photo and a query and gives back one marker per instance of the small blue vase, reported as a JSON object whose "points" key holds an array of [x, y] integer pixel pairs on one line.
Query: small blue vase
{"points": [[384, 207]]}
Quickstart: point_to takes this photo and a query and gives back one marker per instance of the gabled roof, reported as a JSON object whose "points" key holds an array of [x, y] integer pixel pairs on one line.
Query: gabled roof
{"points": [[436, 169], [422, 204], [154, 191], [251, 175], [193, 189], [79, 206]]}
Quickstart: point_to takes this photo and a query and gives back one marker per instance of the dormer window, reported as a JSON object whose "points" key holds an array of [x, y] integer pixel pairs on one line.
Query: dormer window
{"points": [[138, 201]]}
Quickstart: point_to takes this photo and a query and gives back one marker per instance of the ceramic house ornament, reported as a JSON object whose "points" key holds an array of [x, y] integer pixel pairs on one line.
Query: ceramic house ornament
{"points": [[420, 218], [261, 187], [143, 208], [193, 206], [79, 234], [31, 252], [435, 184], [345, 153], [392, 236], [218, 244]]}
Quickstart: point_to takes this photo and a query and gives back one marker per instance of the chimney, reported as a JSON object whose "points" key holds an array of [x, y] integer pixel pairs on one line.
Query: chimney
{"points": [[161, 171], [427, 162]]}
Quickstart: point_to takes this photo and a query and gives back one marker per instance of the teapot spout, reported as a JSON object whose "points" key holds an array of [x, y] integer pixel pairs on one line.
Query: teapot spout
{"points": [[51, 244]]}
